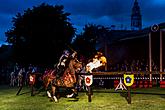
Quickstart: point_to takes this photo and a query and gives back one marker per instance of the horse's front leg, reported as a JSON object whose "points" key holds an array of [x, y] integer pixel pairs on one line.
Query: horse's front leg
{"points": [[54, 93], [48, 93], [46, 84]]}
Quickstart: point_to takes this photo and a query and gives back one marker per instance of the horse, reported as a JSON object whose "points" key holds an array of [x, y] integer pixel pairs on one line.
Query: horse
{"points": [[34, 80], [67, 80], [47, 78], [88, 68]]}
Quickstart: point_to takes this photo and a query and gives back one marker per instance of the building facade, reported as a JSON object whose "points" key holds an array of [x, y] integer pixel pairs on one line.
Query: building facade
{"points": [[136, 17]]}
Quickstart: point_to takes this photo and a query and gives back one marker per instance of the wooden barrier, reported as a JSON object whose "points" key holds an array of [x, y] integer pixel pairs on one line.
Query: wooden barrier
{"points": [[146, 84], [123, 72], [116, 82], [150, 84], [134, 85], [143, 79], [141, 84], [162, 84]]}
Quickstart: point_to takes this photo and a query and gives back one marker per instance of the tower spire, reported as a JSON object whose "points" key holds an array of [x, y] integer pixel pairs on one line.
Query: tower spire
{"points": [[136, 18]]}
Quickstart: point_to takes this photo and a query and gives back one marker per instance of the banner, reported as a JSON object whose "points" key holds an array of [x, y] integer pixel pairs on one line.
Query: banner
{"points": [[128, 79], [88, 80]]}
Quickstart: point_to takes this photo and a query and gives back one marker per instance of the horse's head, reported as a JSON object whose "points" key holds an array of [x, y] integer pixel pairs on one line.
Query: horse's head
{"points": [[77, 66], [49, 74], [103, 60]]}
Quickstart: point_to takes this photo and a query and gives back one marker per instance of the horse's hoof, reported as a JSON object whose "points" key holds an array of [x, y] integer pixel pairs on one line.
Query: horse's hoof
{"points": [[70, 96], [73, 95], [55, 99], [52, 100]]}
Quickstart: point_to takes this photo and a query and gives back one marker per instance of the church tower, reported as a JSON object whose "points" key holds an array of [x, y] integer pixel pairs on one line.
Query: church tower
{"points": [[136, 18]]}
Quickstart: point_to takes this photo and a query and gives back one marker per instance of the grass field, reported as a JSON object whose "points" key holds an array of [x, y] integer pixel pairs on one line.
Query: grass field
{"points": [[110, 100]]}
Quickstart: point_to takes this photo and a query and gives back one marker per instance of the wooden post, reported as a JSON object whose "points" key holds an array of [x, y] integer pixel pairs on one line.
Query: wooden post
{"points": [[150, 57], [88, 83], [106, 53], [161, 69], [129, 95], [89, 94], [32, 90]]}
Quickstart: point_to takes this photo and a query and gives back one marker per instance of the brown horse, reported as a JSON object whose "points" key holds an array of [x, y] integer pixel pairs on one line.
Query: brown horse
{"points": [[67, 80], [47, 79]]}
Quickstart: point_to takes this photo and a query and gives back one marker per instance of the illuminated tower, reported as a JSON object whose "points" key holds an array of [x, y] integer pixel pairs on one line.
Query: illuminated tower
{"points": [[136, 18]]}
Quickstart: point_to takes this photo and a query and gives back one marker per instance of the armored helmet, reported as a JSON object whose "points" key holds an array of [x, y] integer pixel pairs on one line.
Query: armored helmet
{"points": [[66, 52]]}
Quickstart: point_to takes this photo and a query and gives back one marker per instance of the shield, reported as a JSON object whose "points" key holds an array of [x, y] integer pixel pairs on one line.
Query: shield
{"points": [[128, 79], [31, 79], [88, 80]]}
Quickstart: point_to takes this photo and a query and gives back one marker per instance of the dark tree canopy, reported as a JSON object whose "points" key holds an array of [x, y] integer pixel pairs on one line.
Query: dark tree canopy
{"points": [[91, 39], [40, 34]]}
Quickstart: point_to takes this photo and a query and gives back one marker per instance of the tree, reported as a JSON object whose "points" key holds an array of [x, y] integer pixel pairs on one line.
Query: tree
{"points": [[40, 34], [92, 39]]}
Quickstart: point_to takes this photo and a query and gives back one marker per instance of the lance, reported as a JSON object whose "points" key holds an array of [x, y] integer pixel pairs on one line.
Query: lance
{"points": [[71, 48]]}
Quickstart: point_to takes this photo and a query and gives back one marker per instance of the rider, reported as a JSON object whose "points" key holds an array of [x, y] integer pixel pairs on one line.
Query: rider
{"points": [[74, 56], [98, 61], [62, 62], [102, 58]]}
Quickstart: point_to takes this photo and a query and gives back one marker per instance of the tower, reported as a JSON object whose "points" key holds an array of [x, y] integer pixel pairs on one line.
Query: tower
{"points": [[136, 18]]}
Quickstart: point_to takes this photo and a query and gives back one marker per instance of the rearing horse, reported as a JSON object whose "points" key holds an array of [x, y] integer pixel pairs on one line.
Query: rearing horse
{"points": [[67, 80]]}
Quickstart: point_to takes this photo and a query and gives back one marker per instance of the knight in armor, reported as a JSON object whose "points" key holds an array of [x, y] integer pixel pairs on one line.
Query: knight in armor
{"points": [[74, 56], [102, 58], [62, 63], [98, 61]]}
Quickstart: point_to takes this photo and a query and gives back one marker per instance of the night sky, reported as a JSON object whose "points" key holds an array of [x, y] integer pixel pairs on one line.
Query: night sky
{"points": [[100, 12]]}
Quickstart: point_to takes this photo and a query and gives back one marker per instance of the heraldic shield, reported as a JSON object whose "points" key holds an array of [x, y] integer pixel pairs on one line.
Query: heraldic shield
{"points": [[88, 80], [128, 79]]}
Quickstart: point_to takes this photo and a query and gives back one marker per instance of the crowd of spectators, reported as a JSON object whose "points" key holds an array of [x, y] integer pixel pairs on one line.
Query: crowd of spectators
{"points": [[13, 71], [133, 65]]}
